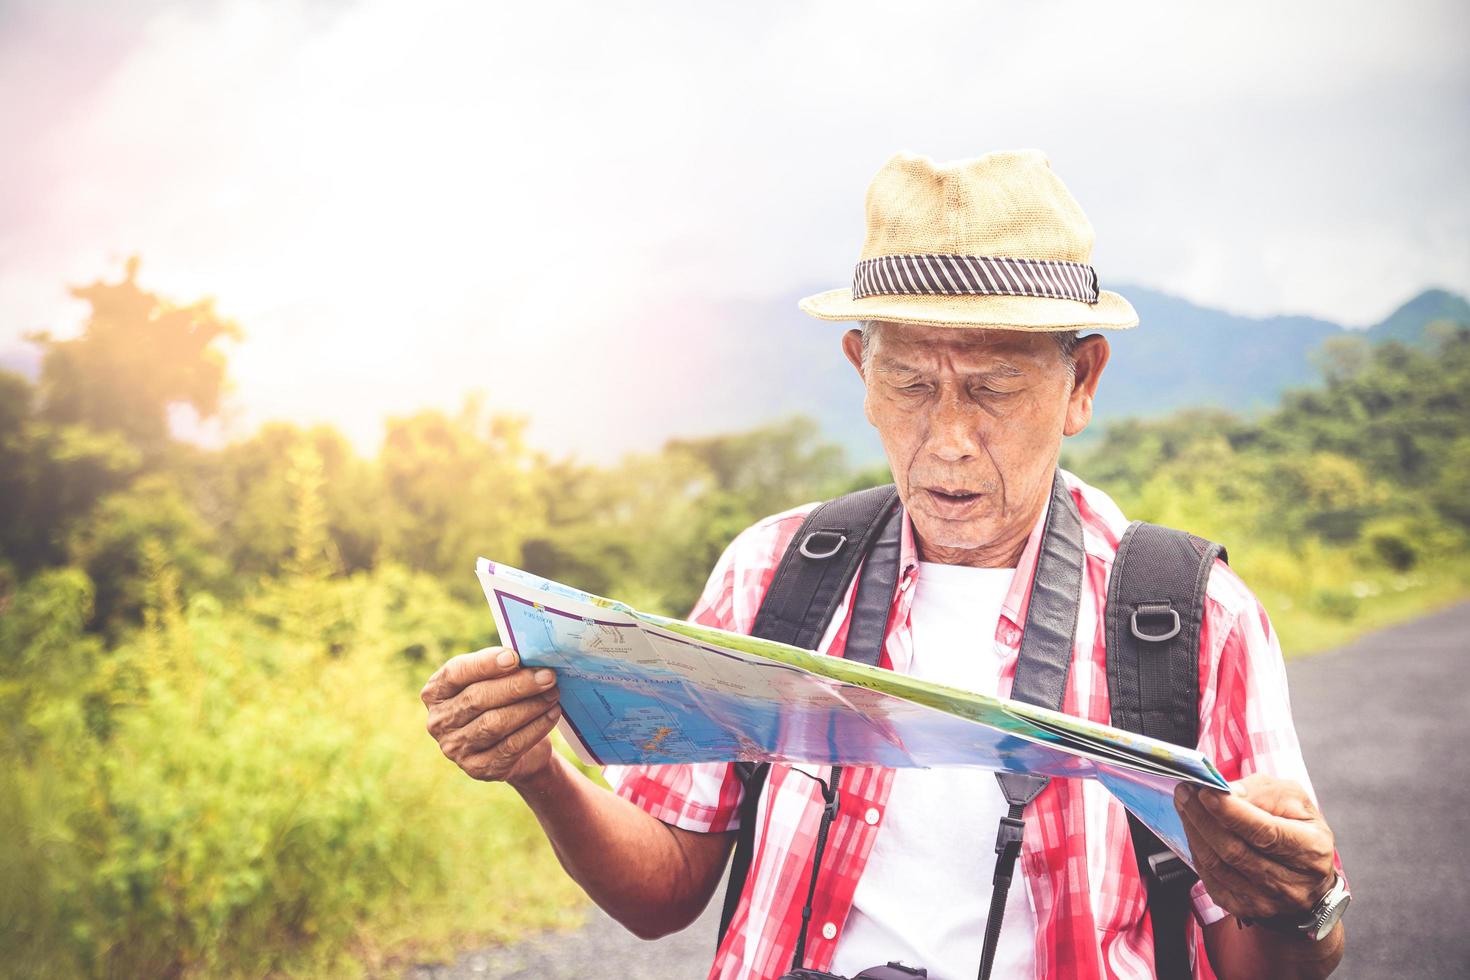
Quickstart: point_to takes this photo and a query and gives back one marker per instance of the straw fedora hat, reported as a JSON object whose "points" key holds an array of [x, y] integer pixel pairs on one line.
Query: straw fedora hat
{"points": [[996, 241]]}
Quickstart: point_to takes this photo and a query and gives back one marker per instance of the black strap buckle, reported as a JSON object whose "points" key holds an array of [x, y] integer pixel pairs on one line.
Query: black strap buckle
{"points": [[1155, 610], [1009, 834], [829, 812], [1168, 868]]}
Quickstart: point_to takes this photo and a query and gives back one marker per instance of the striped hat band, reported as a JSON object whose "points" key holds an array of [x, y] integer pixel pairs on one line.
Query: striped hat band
{"points": [[976, 275]]}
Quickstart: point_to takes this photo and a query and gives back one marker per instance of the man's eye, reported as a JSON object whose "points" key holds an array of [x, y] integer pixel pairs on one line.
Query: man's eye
{"points": [[914, 389]]}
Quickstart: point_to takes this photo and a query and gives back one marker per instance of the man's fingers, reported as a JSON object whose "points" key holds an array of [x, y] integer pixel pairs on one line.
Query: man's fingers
{"points": [[1233, 849], [1282, 797], [481, 696], [1282, 826], [467, 668], [493, 726], [1243, 818], [1302, 843], [497, 761], [1233, 839], [1227, 886]]}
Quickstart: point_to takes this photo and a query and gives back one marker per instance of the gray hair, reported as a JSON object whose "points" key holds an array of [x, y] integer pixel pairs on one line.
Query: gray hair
{"points": [[1067, 341]]}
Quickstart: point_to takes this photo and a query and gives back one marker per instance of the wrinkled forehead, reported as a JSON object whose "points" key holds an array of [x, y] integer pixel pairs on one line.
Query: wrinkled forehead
{"points": [[917, 345]]}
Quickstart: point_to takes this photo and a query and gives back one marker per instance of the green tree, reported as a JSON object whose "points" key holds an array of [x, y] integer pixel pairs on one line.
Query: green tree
{"points": [[120, 542], [51, 474], [652, 527], [309, 558], [1400, 415], [245, 490], [456, 486], [137, 356]]}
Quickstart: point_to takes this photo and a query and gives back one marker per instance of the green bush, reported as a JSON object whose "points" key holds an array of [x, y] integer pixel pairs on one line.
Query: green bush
{"points": [[1335, 603], [1394, 542], [257, 803]]}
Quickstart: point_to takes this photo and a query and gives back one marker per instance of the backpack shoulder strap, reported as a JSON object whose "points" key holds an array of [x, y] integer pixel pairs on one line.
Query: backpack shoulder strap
{"points": [[819, 564], [1042, 665], [810, 581], [1155, 607], [1045, 656]]}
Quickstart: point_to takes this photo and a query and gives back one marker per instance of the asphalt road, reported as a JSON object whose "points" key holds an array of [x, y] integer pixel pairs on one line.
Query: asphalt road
{"points": [[1384, 725]]}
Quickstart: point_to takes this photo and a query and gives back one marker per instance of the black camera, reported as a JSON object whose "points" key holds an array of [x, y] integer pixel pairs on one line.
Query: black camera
{"points": [[892, 970]]}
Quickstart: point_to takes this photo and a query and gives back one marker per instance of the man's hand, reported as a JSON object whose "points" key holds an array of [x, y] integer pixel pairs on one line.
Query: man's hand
{"points": [[1262, 850], [490, 716]]}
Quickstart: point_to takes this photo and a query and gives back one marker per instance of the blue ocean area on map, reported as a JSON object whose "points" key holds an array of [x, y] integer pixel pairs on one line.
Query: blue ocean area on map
{"points": [[618, 710], [1151, 798]]}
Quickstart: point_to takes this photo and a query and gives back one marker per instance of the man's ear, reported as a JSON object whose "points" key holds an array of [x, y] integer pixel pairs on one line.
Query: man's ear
{"points": [[1089, 358], [852, 346]]}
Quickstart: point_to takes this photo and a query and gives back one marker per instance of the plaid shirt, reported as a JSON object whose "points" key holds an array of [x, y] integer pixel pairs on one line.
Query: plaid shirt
{"points": [[1085, 893]]}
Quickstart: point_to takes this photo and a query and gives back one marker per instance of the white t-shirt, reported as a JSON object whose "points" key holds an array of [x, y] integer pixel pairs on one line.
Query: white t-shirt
{"points": [[924, 894]]}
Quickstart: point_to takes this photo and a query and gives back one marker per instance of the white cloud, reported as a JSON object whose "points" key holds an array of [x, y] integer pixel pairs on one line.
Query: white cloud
{"points": [[403, 201]]}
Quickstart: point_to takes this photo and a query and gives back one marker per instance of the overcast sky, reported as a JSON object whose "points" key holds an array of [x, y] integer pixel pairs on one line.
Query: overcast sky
{"points": [[391, 197]]}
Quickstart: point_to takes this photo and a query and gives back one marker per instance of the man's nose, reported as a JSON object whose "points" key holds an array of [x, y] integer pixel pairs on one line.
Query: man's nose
{"points": [[954, 428]]}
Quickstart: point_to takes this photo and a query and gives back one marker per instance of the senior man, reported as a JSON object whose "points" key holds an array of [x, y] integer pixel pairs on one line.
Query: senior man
{"points": [[972, 287]]}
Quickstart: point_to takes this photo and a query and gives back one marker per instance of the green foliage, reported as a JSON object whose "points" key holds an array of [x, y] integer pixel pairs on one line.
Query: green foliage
{"points": [[306, 479], [1399, 415], [247, 489], [456, 486], [100, 414], [1336, 503], [253, 799], [138, 356], [113, 544], [651, 528], [51, 476]]}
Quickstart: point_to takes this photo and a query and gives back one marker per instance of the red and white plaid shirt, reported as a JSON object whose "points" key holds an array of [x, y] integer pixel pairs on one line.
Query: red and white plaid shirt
{"points": [[1088, 902]]}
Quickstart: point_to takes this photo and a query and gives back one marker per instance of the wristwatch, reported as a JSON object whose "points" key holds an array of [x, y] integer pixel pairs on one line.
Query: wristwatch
{"points": [[1317, 923]]}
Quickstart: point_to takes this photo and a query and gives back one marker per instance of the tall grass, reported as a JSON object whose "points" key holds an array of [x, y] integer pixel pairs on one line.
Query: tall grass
{"points": [[227, 795]]}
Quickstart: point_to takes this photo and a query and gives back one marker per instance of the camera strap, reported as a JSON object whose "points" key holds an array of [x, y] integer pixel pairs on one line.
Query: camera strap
{"points": [[1041, 679], [829, 813]]}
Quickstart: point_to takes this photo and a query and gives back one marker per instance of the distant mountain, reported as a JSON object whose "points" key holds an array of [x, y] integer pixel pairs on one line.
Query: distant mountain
{"points": [[1407, 323], [1181, 355]]}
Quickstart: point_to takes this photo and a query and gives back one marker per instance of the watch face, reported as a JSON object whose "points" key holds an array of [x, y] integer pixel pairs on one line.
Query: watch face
{"points": [[1329, 917]]}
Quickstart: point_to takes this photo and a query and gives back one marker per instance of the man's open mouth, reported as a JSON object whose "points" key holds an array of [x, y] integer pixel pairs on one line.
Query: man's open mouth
{"points": [[952, 497]]}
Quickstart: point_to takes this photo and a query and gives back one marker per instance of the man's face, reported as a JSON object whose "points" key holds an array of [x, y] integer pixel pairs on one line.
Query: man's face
{"points": [[972, 422]]}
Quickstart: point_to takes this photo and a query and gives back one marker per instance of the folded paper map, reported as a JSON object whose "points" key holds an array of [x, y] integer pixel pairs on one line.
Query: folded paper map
{"points": [[641, 688]]}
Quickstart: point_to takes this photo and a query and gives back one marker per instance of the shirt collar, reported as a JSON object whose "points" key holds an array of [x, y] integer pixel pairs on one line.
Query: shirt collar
{"points": [[1018, 597]]}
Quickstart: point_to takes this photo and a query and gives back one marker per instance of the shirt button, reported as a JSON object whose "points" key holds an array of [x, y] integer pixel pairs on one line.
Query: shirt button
{"points": [[829, 931], [871, 817]]}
